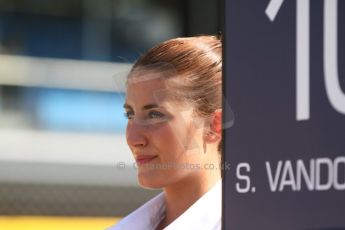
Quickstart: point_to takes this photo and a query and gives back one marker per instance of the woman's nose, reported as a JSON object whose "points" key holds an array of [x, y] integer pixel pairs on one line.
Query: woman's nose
{"points": [[135, 135]]}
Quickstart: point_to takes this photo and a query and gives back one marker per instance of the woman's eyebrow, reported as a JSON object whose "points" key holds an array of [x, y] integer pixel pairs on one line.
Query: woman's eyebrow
{"points": [[145, 107], [150, 106]]}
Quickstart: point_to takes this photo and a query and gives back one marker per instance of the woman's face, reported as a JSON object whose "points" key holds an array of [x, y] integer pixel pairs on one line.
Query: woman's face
{"points": [[163, 134]]}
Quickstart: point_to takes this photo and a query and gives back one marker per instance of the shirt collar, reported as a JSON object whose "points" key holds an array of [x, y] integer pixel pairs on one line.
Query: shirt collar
{"points": [[145, 217], [205, 213]]}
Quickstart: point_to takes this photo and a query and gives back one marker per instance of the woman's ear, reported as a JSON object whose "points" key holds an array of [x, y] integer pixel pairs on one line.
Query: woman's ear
{"points": [[214, 131]]}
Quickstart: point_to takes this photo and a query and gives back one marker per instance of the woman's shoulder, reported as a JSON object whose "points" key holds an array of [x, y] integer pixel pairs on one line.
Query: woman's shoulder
{"points": [[145, 217]]}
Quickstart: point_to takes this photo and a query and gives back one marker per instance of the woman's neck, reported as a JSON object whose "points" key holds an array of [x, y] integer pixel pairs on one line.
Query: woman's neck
{"points": [[180, 196]]}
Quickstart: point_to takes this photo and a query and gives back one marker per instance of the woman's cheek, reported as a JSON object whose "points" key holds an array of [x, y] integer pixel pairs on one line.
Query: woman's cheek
{"points": [[163, 134]]}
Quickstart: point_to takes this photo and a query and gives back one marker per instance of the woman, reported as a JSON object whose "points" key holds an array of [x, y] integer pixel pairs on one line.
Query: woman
{"points": [[174, 110]]}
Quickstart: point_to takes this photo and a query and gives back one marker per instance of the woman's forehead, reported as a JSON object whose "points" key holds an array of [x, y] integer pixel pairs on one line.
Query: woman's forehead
{"points": [[148, 92], [144, 76], [148, 86], [155, 86], [154, 91]]}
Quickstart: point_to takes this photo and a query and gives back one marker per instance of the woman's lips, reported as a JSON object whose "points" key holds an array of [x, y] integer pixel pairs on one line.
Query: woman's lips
{"points": [[142, 159]]}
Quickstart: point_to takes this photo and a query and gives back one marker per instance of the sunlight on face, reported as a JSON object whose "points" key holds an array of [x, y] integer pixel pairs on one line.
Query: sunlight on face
{"points": [[164, 135]]}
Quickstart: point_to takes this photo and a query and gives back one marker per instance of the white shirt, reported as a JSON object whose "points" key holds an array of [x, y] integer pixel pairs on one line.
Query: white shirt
{"points": [[204, 214]]}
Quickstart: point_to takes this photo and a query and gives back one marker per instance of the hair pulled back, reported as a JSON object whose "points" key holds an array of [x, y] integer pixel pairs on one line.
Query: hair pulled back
{"points": [[197, 66]]}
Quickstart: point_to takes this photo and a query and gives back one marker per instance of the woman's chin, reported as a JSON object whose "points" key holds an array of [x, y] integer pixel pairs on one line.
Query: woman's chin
{"points": [[149, 181]]}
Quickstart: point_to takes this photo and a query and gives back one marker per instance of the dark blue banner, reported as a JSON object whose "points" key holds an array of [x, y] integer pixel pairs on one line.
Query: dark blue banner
{"points": [[285, 81]]}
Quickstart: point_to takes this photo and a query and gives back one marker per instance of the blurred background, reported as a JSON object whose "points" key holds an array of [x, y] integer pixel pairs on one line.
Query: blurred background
{"points": [[64, 162]]}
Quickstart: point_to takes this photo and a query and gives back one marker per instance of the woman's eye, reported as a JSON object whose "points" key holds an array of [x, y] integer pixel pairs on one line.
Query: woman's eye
{"points": [[129, 114], [155, 114], [151, 115]]}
